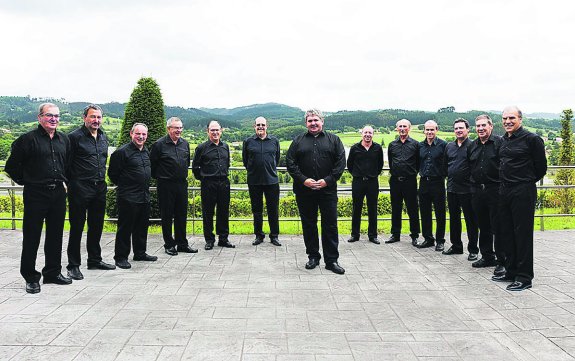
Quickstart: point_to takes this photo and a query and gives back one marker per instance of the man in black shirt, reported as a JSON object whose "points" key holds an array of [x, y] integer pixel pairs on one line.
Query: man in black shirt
{"points": [[403, 156], [523, 163], [459, 191], [210, 166], [170, 159], [87, 191], [316, 160], [365, 162], [131, 171], [39, 161], [483, 157], [432, 187], [261, 155]]}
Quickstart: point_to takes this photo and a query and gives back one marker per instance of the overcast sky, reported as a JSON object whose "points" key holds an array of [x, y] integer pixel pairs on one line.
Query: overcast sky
{"points": [[332, 54]]}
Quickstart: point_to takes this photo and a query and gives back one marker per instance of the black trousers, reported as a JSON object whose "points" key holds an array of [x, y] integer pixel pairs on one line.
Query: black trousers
{"points": [[49, 205], [400, 190], [368, 189], [308, 204], [517, 214], [272, 194], [457, 203], [133, 222], [173, 202], [485, 201], [90, 198], [216, 195], [432, 193]]}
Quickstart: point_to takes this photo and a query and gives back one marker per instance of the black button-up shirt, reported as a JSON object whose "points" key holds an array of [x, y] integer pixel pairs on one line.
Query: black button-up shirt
{"points": [[484, 160], [170, 161], [458, 173], [522, 157], [211, 160], [403, 157], [131, 171], [317, 157], [261, 158], [37, 159], [363, 162], [88, 155], [431, 158]]}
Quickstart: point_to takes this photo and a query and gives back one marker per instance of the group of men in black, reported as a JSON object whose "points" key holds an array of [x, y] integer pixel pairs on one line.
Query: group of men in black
{"points": [[491, 179]]}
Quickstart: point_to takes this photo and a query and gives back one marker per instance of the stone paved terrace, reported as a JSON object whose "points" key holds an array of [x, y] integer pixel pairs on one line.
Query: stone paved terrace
{"points": [[395, 302]]}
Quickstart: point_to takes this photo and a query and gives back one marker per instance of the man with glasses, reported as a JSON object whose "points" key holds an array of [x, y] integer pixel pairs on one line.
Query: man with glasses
{"points": [[87, 191], [39, 162], [170, 158], [261, 155]]}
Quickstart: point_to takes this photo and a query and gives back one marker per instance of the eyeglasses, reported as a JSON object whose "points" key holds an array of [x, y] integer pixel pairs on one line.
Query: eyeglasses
{"points": [[50, 115], [509, 118]]}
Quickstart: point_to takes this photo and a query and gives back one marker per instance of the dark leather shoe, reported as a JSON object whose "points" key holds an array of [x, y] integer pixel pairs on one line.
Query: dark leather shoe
{"points": [[58, 280], [123, 263], [353, 239], [519, 286], [75, 274], [439, 247], [209, 245], [392, 239], [499, 270], [257, 241], [312, 263], [502, 278], [472, 257], [101, 265], [481, 263], [171, 251], [452, 250], [145, 257], [426, 244], [335, 268], [33, 287], [226, 244], [275, 242], [187, 249], [414, 241], [374, 240]]}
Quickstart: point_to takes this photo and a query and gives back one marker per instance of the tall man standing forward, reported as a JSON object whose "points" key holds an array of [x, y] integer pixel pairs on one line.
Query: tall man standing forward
{"points": [[365, 162], [315, 161], [39, 162], [170, 159], [523, 163], [403, 155], [210, 165], [261, 155], [87, 191]]}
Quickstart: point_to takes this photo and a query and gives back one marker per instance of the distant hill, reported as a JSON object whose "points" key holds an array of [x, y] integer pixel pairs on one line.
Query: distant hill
{"points": [[250, 112]]}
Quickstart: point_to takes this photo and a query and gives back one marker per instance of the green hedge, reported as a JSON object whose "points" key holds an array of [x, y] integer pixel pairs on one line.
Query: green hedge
{"points": [[6, 204]]}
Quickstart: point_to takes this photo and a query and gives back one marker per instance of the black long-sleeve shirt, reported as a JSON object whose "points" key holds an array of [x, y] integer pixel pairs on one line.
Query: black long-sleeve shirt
{"points": [[363, 162], [522, 157], [88, 155], [317, 157], [170, 161], [211, 160], [431, 158], [403, 157], [455, 161], [131, 171], [261, 158], [37, 159], [484, 160]]}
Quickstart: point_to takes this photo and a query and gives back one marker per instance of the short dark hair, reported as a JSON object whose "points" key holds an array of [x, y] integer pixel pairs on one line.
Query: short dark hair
{"points": [[92, 106], [461, 120]]}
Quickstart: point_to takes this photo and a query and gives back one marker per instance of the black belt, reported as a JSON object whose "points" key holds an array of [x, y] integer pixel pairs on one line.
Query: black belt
{"points": [[403, 179], [364, 178], [219, 179], [431, 179], [49, 186], [483, 186], [93, 182]]}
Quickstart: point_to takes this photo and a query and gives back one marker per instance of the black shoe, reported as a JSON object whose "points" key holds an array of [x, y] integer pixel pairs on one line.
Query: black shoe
{"points": [[33, 287], [171, 251], [75, 274], [484, 263], [58, 280], [209, 245], [353, 239], [472, 257], [257, 241], [312, 263], [145, 257], [374, 240], [499, 270], [503, 278], [225, 244], [519, 286], [123, 263], [275, 242], [392, 239], [187, 249], [452, 250], [426, 244], [101, 265], [414, 241], [335, 268], [439, 247]]}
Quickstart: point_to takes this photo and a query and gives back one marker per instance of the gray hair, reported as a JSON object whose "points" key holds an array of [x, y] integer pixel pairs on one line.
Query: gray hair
{"points": [[171, 120], [43, 105], [137, 124], [484, 116], [315, 112], [514, 108], [92, 106]]}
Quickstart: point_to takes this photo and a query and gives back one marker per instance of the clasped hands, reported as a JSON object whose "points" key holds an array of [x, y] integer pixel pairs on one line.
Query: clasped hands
{"points": [[315, 184]]}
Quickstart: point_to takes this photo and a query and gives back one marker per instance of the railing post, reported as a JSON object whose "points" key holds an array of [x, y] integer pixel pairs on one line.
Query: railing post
{"points": [[12, 193], [541, 210]]}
